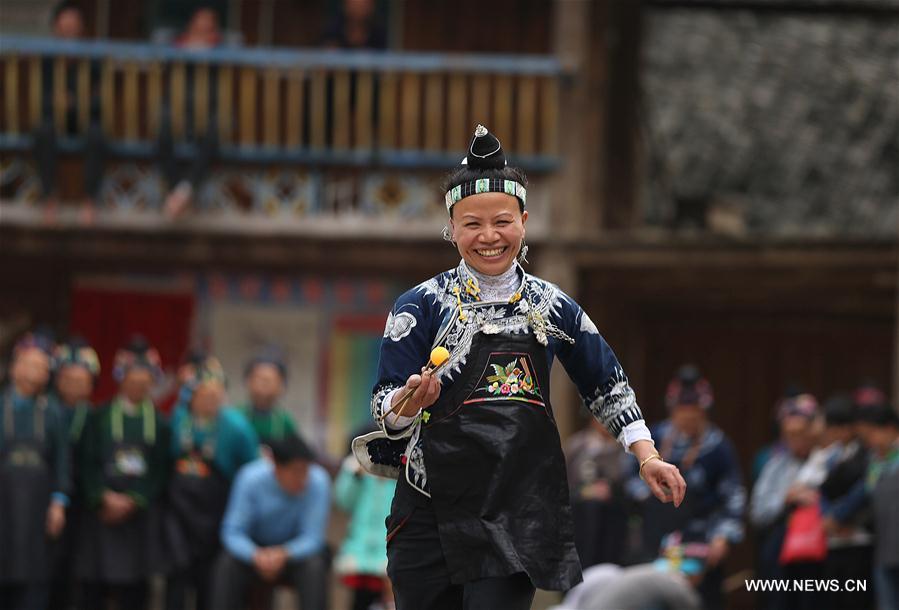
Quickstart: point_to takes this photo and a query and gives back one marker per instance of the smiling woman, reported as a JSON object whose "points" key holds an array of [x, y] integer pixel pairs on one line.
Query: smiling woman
{"points": [[481, 514]]}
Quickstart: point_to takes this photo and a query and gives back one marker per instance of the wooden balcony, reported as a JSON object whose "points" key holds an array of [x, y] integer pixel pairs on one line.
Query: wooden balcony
{"points": [[408, 110]]}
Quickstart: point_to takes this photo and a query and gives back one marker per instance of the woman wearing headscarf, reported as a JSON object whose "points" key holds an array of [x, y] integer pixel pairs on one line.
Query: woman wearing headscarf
{"points": [[34, 477], [481, 515], [123, 471]]}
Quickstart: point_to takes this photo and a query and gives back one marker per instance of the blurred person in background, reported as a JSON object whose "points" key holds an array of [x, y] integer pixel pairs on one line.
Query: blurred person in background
{"points": [[265, 377], [77, 368], [716, 499], [761, 457], [34, 477], [879, 429], [849, 543], [203, 32], [597, 469], [210, 443], [356, 26], [68, 24], [274, 528], [774, 493], [362, 559], [638, 587], [124, 463]]}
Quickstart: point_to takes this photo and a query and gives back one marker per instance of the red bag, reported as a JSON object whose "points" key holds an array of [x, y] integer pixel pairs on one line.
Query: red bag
{"points": [[805, 539]]}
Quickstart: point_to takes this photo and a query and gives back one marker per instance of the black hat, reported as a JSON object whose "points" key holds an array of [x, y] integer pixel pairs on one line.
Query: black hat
{"points": [[881, 416], [483, 170]]}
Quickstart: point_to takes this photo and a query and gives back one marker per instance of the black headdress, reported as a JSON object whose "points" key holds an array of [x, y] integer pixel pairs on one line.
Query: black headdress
{"points": [[485, 155]]}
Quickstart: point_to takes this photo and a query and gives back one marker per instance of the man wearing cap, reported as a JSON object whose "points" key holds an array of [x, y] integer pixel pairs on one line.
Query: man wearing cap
{"points": [[716, 499], [265, 377], [210, 442], [34, 477], [123, 471], [76, 367]]}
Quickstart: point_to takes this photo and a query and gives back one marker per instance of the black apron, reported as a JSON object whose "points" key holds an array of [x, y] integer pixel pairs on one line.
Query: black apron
{"points": [[197, 497], [130, 551], [26, 482], [496, 471]]}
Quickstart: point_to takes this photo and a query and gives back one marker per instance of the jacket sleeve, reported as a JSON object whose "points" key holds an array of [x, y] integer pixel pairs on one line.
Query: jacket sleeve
{"points": [[62, 466], [236, 522], [595, 370], [405, 348]]}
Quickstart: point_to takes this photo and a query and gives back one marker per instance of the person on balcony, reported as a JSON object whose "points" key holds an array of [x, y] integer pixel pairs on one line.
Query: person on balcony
{"points": [[210, 443], [76, 369], [265, 377], [274, 528], [68, 24], [481, 514], [356, 26], [34, 477], [123, 470], [202, 33]]}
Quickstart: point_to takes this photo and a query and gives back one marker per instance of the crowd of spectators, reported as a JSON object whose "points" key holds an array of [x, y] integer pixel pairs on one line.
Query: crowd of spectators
{"points": [[228, 502], [821, 507]]}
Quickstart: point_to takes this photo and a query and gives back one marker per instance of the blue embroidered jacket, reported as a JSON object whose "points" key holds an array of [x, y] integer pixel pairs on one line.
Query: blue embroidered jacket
{"points": [[446, 310]]}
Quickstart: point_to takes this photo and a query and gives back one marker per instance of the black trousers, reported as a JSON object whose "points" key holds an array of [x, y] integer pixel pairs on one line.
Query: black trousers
{"points": [[129, 596], [32, 596], [418, 571], [233, 580], [198, 576]]}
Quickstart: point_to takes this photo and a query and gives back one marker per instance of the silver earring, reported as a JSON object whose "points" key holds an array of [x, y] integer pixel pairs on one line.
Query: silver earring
{"points": [[523, 253], [447, 236]]}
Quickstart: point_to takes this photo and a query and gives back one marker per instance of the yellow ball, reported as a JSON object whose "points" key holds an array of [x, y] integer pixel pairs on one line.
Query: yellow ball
{"points": [[439, 355]]}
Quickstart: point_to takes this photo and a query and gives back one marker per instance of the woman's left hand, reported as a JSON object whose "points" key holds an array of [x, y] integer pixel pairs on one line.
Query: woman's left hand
{"points": [[665, 481]]}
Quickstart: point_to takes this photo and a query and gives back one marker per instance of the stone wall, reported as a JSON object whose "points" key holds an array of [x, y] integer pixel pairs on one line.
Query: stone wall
{"points": [[772, 122]]}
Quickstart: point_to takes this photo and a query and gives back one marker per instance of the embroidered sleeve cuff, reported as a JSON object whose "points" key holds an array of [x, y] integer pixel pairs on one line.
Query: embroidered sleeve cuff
{"points": [[633, 432], [402, 421]]}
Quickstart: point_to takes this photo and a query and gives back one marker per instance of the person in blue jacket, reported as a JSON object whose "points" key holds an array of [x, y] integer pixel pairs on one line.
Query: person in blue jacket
{"points": [[210, 442], [274, 528]]}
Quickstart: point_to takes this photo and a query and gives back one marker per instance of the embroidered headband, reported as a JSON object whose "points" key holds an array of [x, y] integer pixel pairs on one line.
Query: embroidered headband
{"points": [[76, 354], [485, 185], [485, 153], [137, 354]]}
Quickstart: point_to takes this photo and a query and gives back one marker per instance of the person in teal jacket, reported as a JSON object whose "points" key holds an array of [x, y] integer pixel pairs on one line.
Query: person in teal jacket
{"points": [[210, 442], [362, 560]]}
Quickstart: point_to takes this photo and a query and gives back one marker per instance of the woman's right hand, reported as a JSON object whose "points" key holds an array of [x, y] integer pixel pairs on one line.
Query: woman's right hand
{"points": [[427, 391]]}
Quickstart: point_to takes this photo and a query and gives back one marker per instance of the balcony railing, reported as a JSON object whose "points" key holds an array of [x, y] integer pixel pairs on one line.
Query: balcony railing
{"points": [[281, 106]]}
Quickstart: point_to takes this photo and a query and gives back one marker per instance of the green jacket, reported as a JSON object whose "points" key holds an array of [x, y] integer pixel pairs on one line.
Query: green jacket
{"points": [[366, 498], [275, 423]]}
